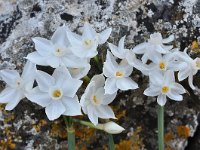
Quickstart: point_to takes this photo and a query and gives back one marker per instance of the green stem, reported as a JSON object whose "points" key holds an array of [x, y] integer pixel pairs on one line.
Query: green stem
{"points": [[96, 59], [88, 124], [70, 132], [161, 127], [71, 138], [111, 142], [87, 79]]}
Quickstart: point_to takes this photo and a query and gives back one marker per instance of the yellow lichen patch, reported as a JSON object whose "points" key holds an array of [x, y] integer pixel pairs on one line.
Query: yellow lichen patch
{"points": [[7, 144], [194, 45], [38, 126], [168, 148], [58, 130], [168, 137], [183, 131]]}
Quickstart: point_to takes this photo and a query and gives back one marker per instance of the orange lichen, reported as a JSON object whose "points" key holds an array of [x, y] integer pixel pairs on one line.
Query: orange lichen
{"points": [[7, 144], [183, 131], [118, 112], [58, 130], [38, 126], [134, 143], [194, 45], [125, 145], [168, 148], [168, 136]]}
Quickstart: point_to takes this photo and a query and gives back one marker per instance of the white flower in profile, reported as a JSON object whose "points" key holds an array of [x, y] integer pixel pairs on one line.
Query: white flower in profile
{"points": [[190, 69], [117, 75], [164, 86], [57, 93], [95, 102], [80, 72], [85, 46], [163, 62], [55, 52], [16, 86], [155, 43]]}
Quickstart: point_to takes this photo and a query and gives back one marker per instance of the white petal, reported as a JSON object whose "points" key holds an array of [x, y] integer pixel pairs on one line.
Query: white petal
{"points": [[88, 31], [161, 49], [73, 38], [89, 91], [73, 61], [145, 58], [174, 95], [43, 46], [71, 86], [105, 112], [44, 80], [55, 110], [104, 35], [190, 81], [72, 106], [161, 99], [108, 98], [110, 86], [41, 98], [7, 95], [152, 91], [81, 52], [140, 48], [79, 73], [91, 114], [14, 100], [126, 83], [28, 70], [167, 47], [183, 74], [156, 78], [54, 61], [178, 88], [169, 39], [169, 77], [116, 51], [61, 73], [60, 36], [127, 69], [9, 76], [38, 59], [99, 80]]}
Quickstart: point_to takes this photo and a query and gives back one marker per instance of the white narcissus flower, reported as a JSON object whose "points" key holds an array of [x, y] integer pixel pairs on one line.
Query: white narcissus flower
{"points": [[165, 62], [164, 86], [190, 69], [55, 52], [85, 46], [95, 102], [16, 86], [117, 75], [57, 93], [155, 43]]}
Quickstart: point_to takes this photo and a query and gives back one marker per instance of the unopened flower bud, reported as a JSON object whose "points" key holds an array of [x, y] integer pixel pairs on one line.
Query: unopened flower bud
{"points": [[112, 128]]}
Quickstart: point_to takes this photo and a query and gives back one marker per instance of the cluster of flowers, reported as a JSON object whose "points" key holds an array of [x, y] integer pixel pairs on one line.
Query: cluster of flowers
{"points": [[70, 55]]}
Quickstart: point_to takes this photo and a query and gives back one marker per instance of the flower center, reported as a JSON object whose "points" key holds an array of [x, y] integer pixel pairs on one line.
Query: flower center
{"points": [[119, 74], [162, 65], [88, 43], [56, 93], [165, 89], [58, 52], [95, 101], [18, 83]]}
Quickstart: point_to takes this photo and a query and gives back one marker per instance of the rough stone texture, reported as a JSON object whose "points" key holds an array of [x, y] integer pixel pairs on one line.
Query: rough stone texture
{"points": [[27, 127]]}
